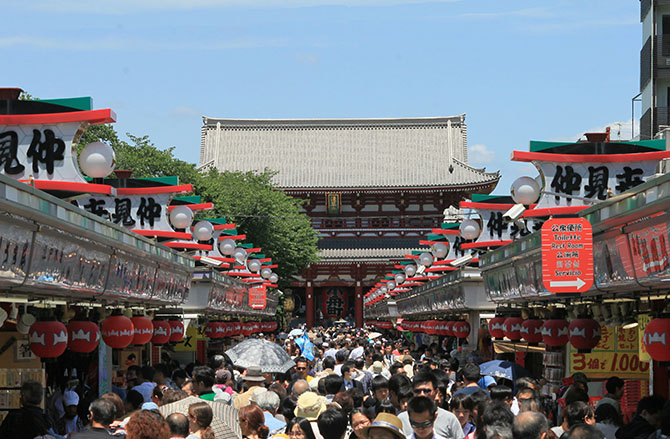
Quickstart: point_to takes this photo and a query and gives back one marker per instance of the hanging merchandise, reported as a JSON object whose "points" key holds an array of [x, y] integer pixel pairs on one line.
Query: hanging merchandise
{"points": [[48, 339], [83, 336]]}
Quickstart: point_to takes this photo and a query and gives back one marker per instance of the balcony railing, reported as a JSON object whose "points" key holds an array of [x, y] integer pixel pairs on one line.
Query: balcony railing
{"points": [[380, 222]]}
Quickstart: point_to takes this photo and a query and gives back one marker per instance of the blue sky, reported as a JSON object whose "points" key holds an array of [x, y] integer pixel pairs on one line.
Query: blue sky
{"points": [[520, 70]]}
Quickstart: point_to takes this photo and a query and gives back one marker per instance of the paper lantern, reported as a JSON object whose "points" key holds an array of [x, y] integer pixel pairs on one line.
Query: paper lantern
{"points": [[83, 336], [461, 329], [469, 229], [531, 330], [176, 330], [117, 331], [449, 328], [512, 328], [555, 332], [657, 339], [144, 330], [584, 334], [496, 327], [161, 332], [97, 160], [48, 339], [181, 217], [215, 330], [525, 190], [203, 231], [227, 247], [440, 249], [426, 259], [410, 270]]}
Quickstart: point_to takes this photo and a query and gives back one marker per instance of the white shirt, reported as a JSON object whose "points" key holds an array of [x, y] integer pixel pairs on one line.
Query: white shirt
{"points": [[446, 425]]}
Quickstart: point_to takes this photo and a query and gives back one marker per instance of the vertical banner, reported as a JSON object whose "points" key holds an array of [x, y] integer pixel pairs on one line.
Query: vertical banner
{"points": [[104, 368], [643, 320]]}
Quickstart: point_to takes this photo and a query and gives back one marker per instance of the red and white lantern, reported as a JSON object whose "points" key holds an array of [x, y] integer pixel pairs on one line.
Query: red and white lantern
{"points": [[496, 328], [144, 330], [584, 334], [512, 328], [555, 332], [461, 329], [161, 332], [83, 336], [215, 330], [176, 330], [531, 330], [48, 339], [657, 339], [117, 331]]}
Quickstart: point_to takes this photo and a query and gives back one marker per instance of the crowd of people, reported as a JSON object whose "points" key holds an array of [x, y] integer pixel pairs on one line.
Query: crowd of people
{"points": [[347, 386]]}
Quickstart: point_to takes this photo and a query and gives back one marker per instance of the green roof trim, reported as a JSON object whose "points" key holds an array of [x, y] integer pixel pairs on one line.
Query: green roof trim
{"points": [[267, 263], [417, 252], [231, 232], [84, 103], [539, 146], [191, 199], [249, 245], [432, 237], [406, 262], [481, 198], [447, 226], [168, 181], [214, 220], [257, 256]]}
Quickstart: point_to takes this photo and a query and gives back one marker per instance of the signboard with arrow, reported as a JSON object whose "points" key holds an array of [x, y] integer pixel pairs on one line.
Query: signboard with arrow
{"points": [[567, 255]]}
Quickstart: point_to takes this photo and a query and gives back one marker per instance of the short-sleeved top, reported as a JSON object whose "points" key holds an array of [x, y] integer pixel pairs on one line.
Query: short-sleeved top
{"points": [[446, 425]]}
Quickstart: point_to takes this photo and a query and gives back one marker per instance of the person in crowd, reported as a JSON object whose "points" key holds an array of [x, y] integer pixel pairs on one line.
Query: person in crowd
{"points": [[310, 406], [252, 422], [384, 426], [120, 410], [520, 385], [422, 413], [140, 380], [299, 387], [398, 368], [134, 401], [358, 419], [480, 401], [380, 388], [188, 387], [446, 424], [527, 400], [101, 414], [333, 384], [388, 358], [179, 427], [461, 405], [576, 413], [580, 385], [501, 393], [200, 417], [179, 377], [29, 421], [302, 369], [147, 424], [486, 382], [203, 382], [269, 403], [162, 377], [471, 374], [70, 422], [530, 425], [395, 383], [496, 422], [253, 378], [345, 401], [378, 369], [332, 424], [287, 409], [223, 390], [607, 420], [584, 431], [615, 388], [347, 376], [647, 420], [299, 428]]}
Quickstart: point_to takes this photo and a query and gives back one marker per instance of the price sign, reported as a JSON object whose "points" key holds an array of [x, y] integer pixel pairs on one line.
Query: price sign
{"points": [[567, 255]]}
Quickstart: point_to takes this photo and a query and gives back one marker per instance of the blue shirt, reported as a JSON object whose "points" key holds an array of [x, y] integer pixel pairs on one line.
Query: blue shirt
{"points": [[272, 423]]}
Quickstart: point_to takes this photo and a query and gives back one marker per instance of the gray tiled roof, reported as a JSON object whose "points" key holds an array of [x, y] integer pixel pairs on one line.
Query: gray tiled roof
{"points": [[345, 153]]}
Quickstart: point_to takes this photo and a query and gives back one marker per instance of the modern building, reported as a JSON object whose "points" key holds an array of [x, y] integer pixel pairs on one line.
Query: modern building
{"points": [[372, 187]]}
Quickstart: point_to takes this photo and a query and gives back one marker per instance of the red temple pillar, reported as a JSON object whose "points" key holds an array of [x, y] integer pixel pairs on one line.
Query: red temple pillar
{"points": [[358, 304], [309, 304]]}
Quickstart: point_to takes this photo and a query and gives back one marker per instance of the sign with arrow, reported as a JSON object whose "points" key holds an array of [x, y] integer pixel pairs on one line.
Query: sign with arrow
{"points": [[567, 255]]}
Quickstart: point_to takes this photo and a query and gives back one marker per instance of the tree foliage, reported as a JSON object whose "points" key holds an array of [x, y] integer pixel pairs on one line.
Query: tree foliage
{"points": [[271, 219]]}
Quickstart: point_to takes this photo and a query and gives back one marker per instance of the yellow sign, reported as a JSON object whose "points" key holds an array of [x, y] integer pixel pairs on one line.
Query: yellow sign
{"points": [[616, 354], [188, 343], [643, 320]]}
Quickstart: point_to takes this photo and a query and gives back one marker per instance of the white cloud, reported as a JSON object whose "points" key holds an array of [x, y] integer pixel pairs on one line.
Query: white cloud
{"points": [[618, 131], [481, 155]]}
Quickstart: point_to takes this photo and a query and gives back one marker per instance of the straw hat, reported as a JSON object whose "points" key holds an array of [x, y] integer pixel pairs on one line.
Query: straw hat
{"points": [[377, 367], [310, 406], [386, 421]]}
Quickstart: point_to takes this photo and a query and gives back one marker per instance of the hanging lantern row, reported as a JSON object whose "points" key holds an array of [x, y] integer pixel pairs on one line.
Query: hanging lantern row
{"points": [[457, 328], [218, 330], [49, 339]]}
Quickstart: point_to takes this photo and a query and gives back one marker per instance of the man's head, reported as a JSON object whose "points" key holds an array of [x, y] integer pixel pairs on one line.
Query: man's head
{"points": [[397, 368], [102, 412], [422, 414], [528, 400], [380, 388], [178, 423], [70, 402], [615, 386], [585, 431], [580, 380], [650, 408], [302, 367], [346, 370], [203, 380], [497, 421], [425, 384], [384, 426], [161, 373], [525, 383], [471, 373], [134, 376], [31, 393], [329, 363], [388, 349], [332, 424], [530, 425], [299, 387], [341, 356], [333, 384], [268, 401], [579, 413]]}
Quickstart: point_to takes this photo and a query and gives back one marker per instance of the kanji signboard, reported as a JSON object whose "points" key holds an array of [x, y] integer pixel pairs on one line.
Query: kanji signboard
{"points": [[567, 255]]}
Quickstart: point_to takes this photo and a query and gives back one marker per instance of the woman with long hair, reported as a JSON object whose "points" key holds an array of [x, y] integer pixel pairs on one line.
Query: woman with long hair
{"points": [[199, 418], [299, 428], [252, 422]]}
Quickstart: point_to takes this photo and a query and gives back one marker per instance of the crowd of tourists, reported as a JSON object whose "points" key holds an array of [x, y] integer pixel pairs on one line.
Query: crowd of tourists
{"points": [[351, 387]]}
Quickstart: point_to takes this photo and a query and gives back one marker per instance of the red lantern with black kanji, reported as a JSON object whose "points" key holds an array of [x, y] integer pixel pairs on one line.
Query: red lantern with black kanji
{"points": [[143, 330], [512, 328], [48, 339], [83, 336], [176, 330], [496, 327], [657, 339], [161, 332], [531, 330], [555, 332], [584, 334], [117, 331], [461, 329]]}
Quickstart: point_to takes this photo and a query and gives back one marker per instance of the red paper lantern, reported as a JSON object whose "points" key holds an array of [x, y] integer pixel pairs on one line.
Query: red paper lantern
{"points": [[657, 339], [449, 328], [496, 327], [144, 330], [176, 330], [48, 339], [555, 332], [461, 329], [531, 330], [512, 328], [215, 330], [161, 332], [83, 336], [117, 331], [584, 334]]}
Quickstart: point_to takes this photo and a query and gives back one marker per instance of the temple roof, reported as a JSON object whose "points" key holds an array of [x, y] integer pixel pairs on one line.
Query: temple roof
{"points": [[346, 153]]}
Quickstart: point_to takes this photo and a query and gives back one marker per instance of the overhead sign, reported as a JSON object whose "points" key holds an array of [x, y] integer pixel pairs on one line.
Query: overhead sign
{"points": [[567, 255]]}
